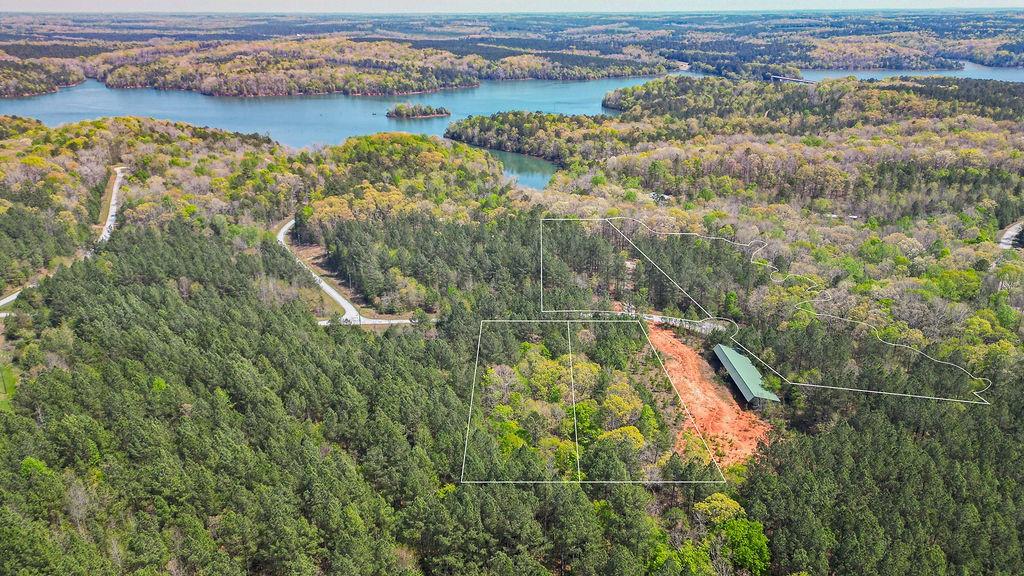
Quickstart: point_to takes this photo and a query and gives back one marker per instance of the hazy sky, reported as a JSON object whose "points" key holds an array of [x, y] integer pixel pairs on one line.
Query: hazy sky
{"points": [[481, 5]]}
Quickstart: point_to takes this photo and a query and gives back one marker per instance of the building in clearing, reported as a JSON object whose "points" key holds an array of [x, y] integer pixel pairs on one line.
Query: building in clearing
{"points": [[744, 375]]}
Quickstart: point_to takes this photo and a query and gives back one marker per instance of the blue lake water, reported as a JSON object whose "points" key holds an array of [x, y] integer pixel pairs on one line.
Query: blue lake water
{"points": [[971, 70], [299, 121], [310, 120]]}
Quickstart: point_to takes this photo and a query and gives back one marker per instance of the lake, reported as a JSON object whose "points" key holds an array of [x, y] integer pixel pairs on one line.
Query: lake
{"points": [[299, 121], [971, 70]]}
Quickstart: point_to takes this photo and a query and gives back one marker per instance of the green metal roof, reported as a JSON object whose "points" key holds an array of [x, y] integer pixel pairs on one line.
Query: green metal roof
{"points": [[744, 375]]}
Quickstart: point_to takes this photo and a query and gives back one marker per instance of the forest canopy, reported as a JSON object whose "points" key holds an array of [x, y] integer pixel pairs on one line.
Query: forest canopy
{"points": [[417, 111], [179, 409], [267, 55]]}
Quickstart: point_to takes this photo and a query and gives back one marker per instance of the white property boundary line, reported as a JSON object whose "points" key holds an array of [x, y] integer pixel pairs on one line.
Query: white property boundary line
{"points": [[572, 387], [773, 270], [579, 477]]}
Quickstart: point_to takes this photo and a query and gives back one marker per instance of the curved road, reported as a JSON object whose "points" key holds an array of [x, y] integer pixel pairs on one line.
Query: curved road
{"points": [[108, 228], [352, 315], [1010, 235]]}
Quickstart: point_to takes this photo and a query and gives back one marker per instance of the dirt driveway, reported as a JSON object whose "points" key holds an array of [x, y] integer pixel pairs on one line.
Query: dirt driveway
{"points": [[732, 432]]}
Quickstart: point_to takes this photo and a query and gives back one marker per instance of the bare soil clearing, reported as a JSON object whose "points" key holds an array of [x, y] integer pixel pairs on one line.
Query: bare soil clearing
{"points": [[732, 432], [106, 203]]}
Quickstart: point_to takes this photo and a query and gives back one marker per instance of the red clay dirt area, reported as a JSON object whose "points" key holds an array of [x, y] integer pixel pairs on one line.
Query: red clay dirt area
{"points": [[732, 432]]}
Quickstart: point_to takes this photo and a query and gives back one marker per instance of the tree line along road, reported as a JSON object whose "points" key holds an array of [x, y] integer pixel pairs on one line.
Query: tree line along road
{"points": [[351, 315], [108, 227]]}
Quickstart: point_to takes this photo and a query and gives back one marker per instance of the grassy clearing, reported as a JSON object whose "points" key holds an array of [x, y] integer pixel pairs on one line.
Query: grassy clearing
{"points": [[8, 380], [321, 305]]}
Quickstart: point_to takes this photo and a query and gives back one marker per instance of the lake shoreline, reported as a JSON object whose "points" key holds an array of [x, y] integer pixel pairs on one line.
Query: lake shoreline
{"points": [[470, 86], [259, 96], [44, 93], [969, 70], [329, 119], [419, 117]]}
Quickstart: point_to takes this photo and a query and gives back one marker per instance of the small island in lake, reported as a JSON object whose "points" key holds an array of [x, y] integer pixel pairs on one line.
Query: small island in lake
{"points": [[408, 111]]}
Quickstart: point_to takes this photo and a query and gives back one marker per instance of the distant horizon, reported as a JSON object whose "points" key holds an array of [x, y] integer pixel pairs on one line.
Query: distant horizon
{"points": [[498, 7]]}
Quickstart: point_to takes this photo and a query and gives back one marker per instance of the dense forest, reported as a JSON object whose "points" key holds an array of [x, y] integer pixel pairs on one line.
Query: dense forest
{"points": [[36, 76], [52, 183], [46, 208], [298, 67], [268, 55], [884, 149], [417, 111], [179, 410], [916, 444], [755, 164], [215, 428]]}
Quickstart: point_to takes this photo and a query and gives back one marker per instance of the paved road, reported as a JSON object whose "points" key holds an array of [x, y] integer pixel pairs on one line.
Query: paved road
{"points": [[6, 300], [108, 227], [352, 315], [1011, 233]]}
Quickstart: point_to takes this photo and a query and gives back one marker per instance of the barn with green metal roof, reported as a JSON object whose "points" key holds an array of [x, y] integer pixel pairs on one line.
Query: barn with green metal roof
{"points": [[746, 378]]}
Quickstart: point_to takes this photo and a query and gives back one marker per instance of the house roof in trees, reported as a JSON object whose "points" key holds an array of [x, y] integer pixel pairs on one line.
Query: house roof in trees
{"points": [[744, 375]]}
